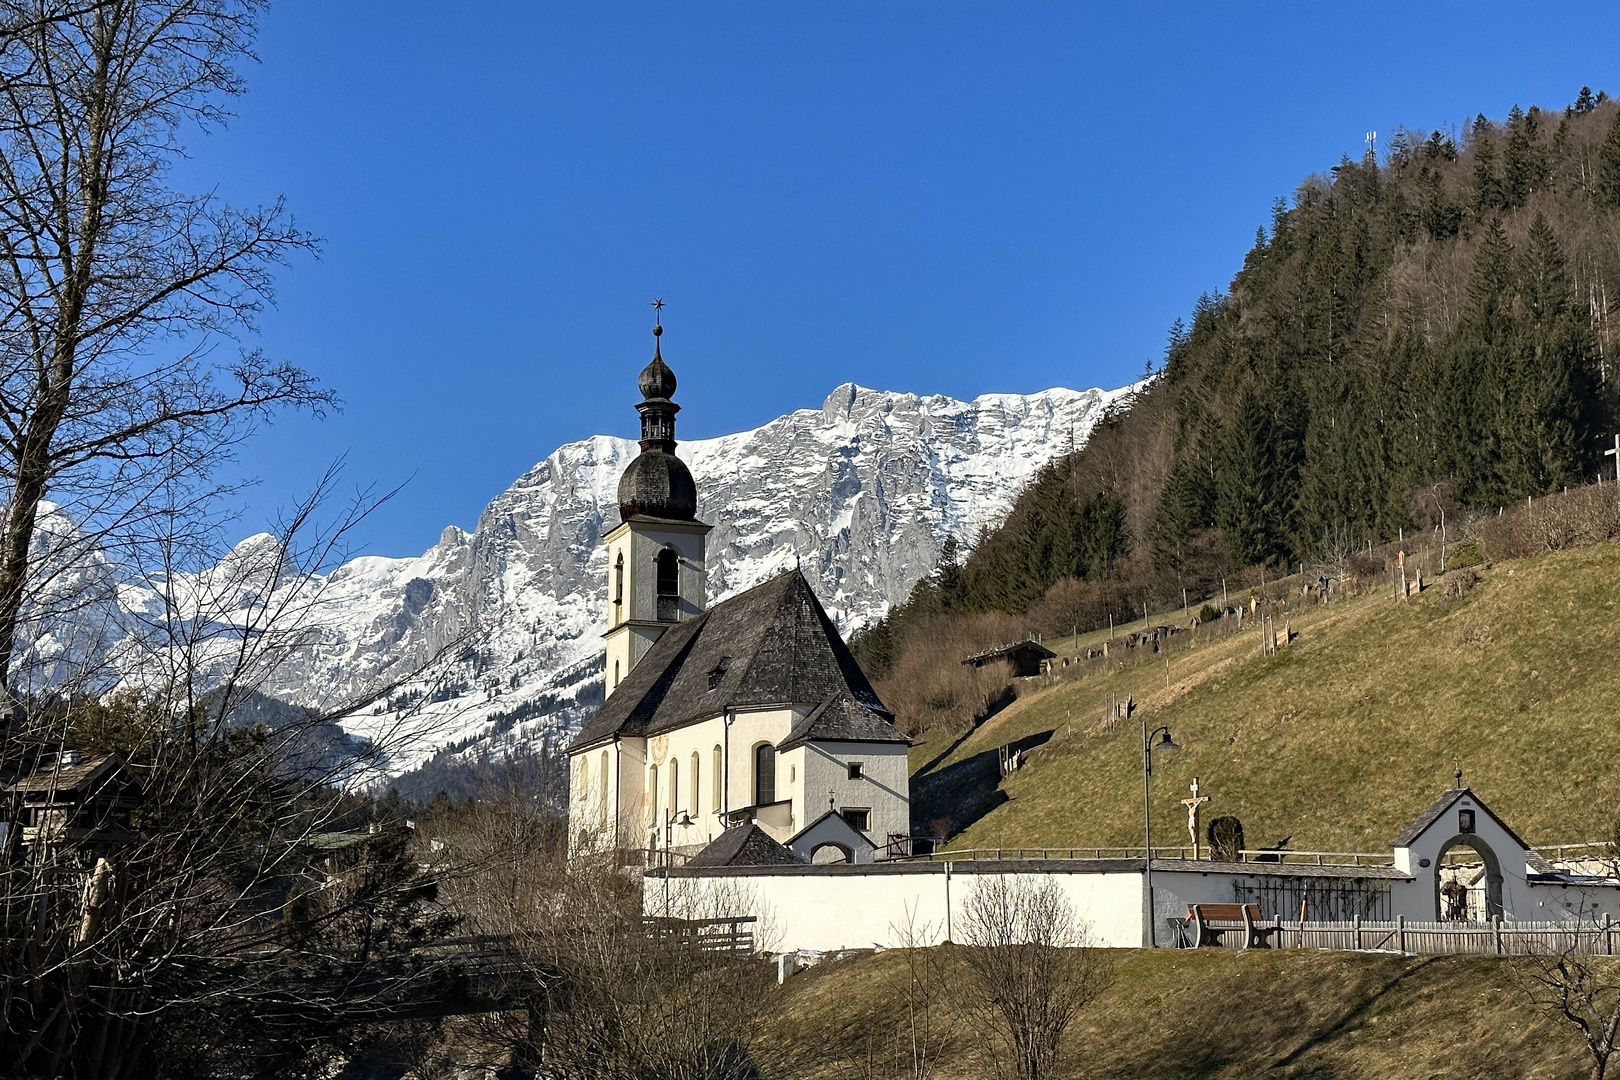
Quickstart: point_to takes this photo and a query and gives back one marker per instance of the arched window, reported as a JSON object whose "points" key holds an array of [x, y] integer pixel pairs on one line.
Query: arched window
{"points": [[674, 786], [618, 590], [615, 676], [714, 794], [582, 781], [669, 585], [695, 806], [652, 794], [764, 774], [603, 780]]}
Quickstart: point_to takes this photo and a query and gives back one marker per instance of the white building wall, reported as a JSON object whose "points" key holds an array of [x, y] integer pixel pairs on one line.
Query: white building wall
{"points": [[861, 906], [884, 787]]}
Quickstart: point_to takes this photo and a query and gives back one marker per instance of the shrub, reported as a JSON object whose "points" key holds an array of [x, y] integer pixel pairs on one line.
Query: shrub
{"points": [[1208, 614], [928, 686], [1459, 583], [1464, 554]]}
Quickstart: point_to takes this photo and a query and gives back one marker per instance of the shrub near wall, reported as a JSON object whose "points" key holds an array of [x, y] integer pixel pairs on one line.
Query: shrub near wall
{"points": [[1586, 515]]}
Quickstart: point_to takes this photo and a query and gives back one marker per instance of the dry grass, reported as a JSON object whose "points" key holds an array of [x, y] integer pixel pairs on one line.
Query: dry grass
{"points": [[1225, 1015], [1347, 734]]}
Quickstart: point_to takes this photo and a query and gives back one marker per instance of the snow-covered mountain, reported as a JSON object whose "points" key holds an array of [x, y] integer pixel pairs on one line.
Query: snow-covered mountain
{"points": [[860, 493]]}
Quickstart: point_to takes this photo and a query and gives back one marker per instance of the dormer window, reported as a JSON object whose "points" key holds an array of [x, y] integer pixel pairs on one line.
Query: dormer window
{"points": [[717, 673]]}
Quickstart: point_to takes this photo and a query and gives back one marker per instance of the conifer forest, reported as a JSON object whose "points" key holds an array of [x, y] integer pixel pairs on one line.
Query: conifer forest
{"points": [[1429, 329]]}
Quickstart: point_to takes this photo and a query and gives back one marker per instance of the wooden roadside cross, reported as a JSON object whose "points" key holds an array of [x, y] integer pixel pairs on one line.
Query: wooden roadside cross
{"points": [[1192, 806], [1615, 453]]}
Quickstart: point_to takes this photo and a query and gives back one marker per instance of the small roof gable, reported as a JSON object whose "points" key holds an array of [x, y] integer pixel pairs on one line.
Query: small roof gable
{"points": [[771, 645], [842, 719], [1446, 801], [745, 847], [839, 823]]}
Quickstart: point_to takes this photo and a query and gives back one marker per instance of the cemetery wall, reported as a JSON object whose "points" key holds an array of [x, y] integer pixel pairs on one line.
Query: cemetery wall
{"points": [[858, 906]]}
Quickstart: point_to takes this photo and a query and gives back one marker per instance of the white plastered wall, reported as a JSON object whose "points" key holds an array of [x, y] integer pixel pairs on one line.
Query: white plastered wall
{"points": [[856, 907], [884, 787], [1417, 899], [638, 543]]}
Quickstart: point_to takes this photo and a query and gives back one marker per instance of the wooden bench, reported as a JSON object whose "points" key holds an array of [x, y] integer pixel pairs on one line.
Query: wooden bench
{"points": [[1210, 921]]}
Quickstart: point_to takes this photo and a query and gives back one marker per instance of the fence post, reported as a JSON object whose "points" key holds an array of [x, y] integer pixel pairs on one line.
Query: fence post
{"points": [[1400, 933], [1608, 935], [1496, 923], [1357, 923]]}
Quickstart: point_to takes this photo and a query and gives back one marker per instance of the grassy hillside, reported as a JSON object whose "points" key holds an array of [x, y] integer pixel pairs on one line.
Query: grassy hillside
{"points": [[1220, 1014], [1337, 741]]}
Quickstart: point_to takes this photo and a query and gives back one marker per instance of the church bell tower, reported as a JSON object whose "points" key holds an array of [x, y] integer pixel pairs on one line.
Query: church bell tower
{"points": [[657, 576]]}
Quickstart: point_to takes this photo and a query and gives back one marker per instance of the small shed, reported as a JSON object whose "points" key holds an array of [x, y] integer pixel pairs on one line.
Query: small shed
{"points": [[74, 797], [1028, 657]]}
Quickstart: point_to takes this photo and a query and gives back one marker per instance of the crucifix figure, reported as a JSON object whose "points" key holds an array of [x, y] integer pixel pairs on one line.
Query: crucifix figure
{"points": [[1192, 806]]}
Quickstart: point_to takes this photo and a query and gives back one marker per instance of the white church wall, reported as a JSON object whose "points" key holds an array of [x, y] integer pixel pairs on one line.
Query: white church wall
{"points": [[678, 747], [750, 729], [883, 788]]}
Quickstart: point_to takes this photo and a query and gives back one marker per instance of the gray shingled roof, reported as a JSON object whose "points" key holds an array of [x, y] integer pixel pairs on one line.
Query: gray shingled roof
{"points": [[1029, 644], [842, 719], [779, 648], [745, 847], [1445, 802]]}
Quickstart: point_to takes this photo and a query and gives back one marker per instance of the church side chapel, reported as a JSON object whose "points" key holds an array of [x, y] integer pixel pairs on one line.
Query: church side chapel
{"points": [[745, 726]]}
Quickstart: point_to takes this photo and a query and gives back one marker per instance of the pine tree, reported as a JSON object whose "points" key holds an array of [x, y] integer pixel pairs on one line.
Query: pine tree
{"points": [[1440, 217], [1522, 166], [1255, 478], [1608, 182], [1488, 195], [1554, 379], [1584, 102]]}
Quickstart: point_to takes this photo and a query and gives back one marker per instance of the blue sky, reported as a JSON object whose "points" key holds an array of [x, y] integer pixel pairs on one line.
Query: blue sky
{"points": [[953, 198]]}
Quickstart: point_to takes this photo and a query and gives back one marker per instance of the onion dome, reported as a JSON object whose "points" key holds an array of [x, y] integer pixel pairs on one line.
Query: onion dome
{"points": [[657, 483], [657, 381]]}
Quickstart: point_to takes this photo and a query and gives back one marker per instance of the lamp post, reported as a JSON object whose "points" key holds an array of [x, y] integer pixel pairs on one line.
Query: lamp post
{"points": [[1149, 935]]}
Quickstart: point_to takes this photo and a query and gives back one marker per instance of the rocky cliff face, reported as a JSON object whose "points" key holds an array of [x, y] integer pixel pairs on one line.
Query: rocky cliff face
{"points": [[860, 493]]}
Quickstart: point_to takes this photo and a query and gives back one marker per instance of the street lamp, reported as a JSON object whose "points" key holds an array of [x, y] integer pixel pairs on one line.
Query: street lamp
{"points": [[1166, 744]]}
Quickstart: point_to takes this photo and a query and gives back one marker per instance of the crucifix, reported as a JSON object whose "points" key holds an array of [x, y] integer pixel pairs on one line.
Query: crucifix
{"points": [[1192, 806]]}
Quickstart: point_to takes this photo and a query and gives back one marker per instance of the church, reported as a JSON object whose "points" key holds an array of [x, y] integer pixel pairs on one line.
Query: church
{"points": [[722, 723]]}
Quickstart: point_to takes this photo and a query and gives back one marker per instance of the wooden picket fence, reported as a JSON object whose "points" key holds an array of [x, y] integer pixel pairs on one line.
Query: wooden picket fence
{"points": [[1498, 937], [728, 935]]}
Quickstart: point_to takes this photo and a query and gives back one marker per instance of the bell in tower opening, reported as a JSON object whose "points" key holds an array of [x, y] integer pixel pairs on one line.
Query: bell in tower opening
{"points": [[658, 576]]}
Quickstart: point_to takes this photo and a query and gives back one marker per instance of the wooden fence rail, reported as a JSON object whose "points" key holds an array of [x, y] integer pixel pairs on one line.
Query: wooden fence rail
{"points": [[727, 935], [1256, 855], [1496, 938]]}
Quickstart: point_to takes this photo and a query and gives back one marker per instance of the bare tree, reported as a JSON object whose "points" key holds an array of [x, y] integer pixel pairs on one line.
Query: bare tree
{"points": [[1583, 992], [1575, 987], [242, 919], [1029, 972], [115, 290], [604, 994]]}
